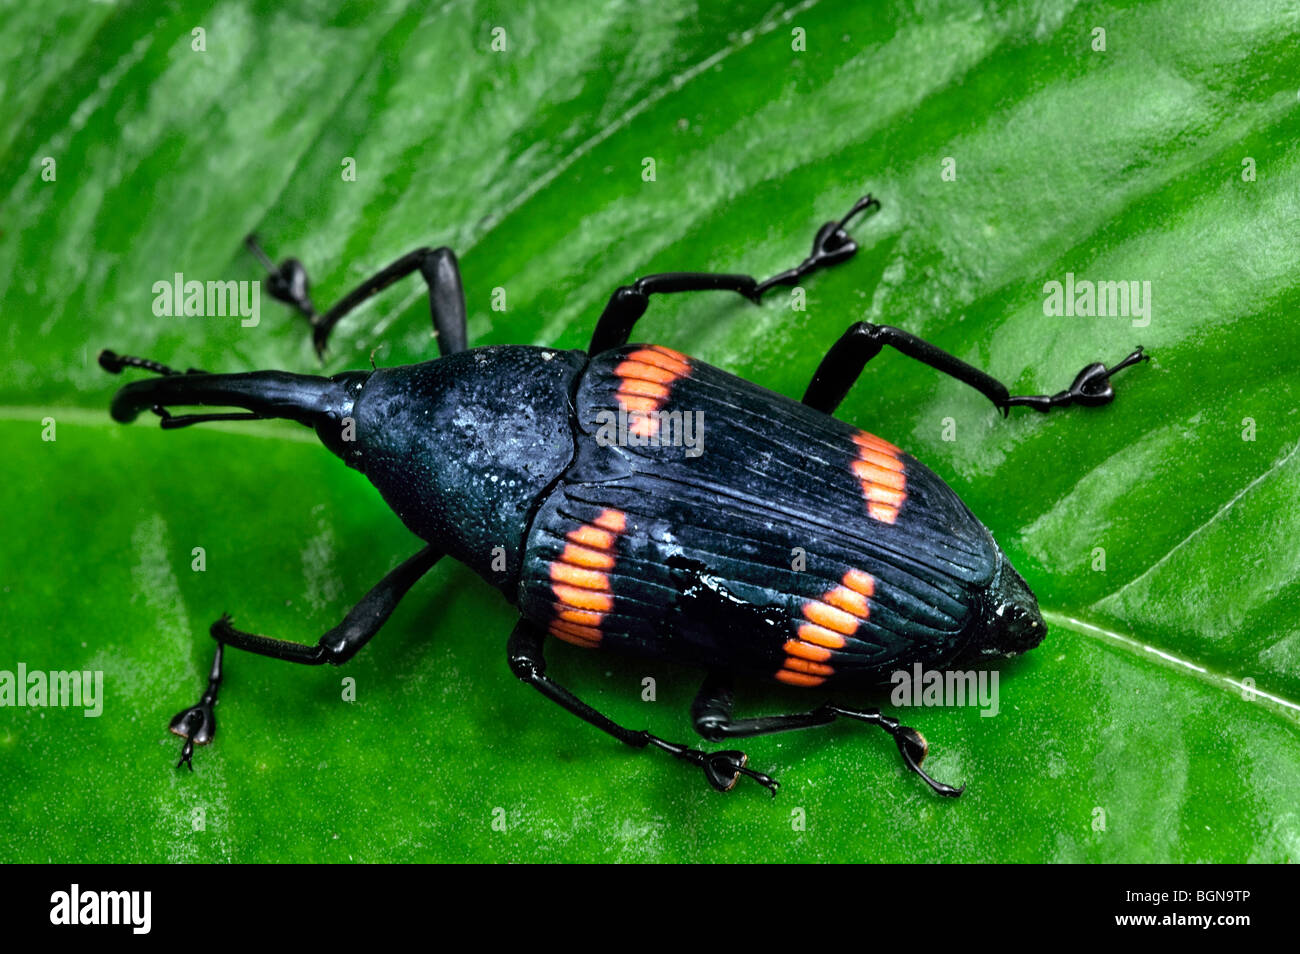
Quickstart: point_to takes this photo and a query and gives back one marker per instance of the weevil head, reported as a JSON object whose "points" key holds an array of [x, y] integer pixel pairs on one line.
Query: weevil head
{"points": [[1009, 619]]}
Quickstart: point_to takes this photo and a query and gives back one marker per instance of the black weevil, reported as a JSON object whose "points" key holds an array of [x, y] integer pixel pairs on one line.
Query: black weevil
{"points": [[569, 480]]}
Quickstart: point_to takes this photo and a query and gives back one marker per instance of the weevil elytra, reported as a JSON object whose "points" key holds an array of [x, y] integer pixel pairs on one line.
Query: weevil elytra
{"points": [[500, 457]]}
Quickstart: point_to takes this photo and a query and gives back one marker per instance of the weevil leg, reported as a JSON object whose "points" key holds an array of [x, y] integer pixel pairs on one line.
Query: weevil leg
{"points": [[197, 724], [831, 246], [711, 713], [528, 662], [846, 359], [288, 283]]}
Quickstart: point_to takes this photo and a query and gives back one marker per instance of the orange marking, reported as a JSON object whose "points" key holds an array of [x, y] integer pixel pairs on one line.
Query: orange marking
{"points": [[590, 633], [645, 388], [640, 371], [670, 352], [645, 378], [577, 576], [882, 512], [798, 678], [615, 520], [872, 442], [830, 617], [811, 668], [662, 357], [848, 600], [583, 599], [589, 536], [582, 556], [581, 617], [646, 426], [634, 402], [883, 461], [881, 474], [870, 473], [818, 636], [575, 640], [860, 582], [883, 495], [806, 651], [583, 595]]}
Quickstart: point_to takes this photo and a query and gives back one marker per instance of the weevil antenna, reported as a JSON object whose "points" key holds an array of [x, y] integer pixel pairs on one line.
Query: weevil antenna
{"points": [[114, 363], [316, 402]]}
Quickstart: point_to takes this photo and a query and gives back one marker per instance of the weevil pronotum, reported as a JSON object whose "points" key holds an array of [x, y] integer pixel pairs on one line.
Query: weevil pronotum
{"points": [[630, 544]]}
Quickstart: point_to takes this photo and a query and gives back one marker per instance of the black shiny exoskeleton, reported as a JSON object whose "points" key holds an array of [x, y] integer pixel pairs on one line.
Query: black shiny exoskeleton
{"points": [[631, 498]]}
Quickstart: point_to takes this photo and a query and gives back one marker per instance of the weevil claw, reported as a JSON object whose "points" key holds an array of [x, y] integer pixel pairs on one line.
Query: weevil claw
{"points": [[913, 747], [724, 769], [196, 725]]}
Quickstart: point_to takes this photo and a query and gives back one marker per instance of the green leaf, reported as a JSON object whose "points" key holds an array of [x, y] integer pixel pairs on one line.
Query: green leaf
{"points": [[1165, 699]]}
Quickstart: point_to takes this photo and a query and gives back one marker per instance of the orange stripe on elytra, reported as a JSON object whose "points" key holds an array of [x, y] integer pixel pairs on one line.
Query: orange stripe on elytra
{"points": [[646, 378], [590, 633], [881, 460], [582, 592], [583, 599], [635, 402], [830, 620], [577, 576], [794, 647], [872, 442], [575, 640], [860, 582], [585, 556], [615, 520], [811, 668], [581, 617], [640, 371], [880, 472], [661, 357], [589, 536], [650, 389], [871, 474], [883, 495], [847, 600], [798, 678], [882, 512], [820, 636]]}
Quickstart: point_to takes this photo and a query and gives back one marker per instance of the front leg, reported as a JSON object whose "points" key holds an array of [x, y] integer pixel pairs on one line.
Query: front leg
{"points": [[288, 282], [527, 661], [197, 725]]}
